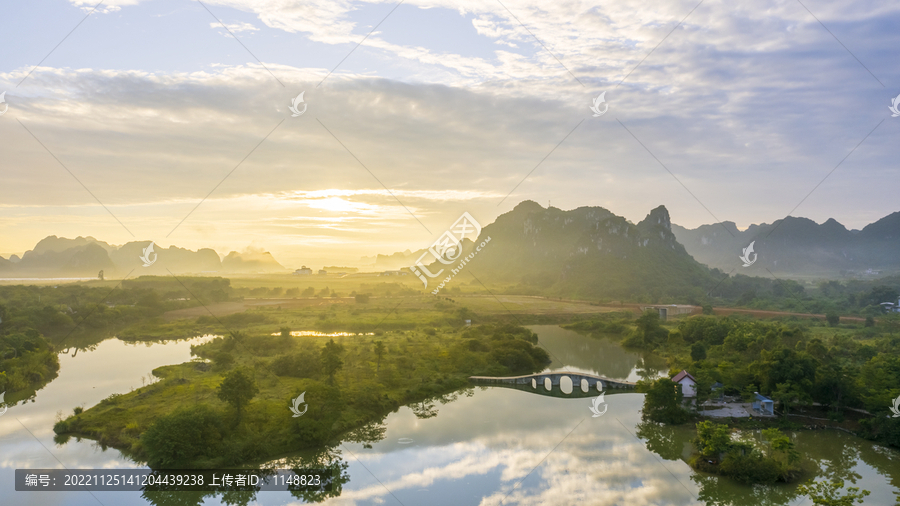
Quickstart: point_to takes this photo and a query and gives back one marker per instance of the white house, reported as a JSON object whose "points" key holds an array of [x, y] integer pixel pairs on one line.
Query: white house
{"points": [[687, 382], [891, 307]]}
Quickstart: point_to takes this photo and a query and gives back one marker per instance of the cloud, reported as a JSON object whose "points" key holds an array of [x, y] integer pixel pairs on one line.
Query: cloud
{"points": [[748, 108], [235, 27], [106, 7]]}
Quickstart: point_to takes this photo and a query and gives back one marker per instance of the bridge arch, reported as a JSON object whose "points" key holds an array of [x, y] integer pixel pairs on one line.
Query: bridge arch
{"points": [[558, 383]]}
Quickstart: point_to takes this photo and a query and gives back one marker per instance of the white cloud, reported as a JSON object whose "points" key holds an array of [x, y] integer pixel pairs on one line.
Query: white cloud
{"points": [[235, 27], [749, 108]]}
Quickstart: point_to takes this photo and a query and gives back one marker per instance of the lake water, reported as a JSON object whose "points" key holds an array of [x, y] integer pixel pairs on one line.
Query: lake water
{"points": [[493, 446]]}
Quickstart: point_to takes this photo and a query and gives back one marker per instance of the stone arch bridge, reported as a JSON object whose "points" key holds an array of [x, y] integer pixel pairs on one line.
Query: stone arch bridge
{"points": [[558, 384]]}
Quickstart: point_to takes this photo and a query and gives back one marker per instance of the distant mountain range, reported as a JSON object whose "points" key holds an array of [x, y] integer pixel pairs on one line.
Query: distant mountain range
{"points": [[86, 257], [798, 246], [588, 251], [585, 252]]}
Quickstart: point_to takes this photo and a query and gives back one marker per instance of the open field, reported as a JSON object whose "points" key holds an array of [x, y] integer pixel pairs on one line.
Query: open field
{"points": [[480, 304]]}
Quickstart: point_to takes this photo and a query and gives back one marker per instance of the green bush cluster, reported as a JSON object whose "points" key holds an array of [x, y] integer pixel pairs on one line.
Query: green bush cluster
{"points": [[240, 406], [27, 361], [719, 453]]}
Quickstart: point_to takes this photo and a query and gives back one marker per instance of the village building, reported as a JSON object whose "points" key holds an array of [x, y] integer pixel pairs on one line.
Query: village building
{"points": [[303, 271], [763, 404], [665, 311], [891, 307], [687, 382]]}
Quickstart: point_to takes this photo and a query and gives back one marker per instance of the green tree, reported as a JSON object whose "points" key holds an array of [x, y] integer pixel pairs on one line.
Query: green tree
{"points": [[790, 395], [832, 318], [662, 403], [829, 493], [648, 332], [331, 359], [880, 294], [176, 440], [379, 352], [780, 450], [223, 360], [286, 339], [698, 351], [713, 439], [237, 389]]}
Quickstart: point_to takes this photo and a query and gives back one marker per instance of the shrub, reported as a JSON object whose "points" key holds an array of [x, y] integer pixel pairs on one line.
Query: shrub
{"points": [[224, 360], [751, 468], [306, 363], [698, 352], [183, 436]]}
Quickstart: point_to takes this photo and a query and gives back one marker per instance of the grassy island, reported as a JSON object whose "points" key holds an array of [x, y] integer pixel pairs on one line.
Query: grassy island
{"points": [[233, 404]]}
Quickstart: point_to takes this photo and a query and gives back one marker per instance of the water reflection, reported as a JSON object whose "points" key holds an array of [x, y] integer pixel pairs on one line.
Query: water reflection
{"points": [[601, 355], [480, 446], [328, 457], [829, 455]]}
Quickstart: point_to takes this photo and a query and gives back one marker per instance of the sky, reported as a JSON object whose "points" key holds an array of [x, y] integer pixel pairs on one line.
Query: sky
{"points": [[169, 120]]}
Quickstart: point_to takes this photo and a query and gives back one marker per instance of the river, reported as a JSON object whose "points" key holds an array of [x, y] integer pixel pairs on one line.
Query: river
{"points": [[485, 446]]}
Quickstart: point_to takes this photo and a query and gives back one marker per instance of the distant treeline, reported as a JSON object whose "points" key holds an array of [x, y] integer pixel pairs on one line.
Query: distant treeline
{"points": [[57, 310], [850, 297]]}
